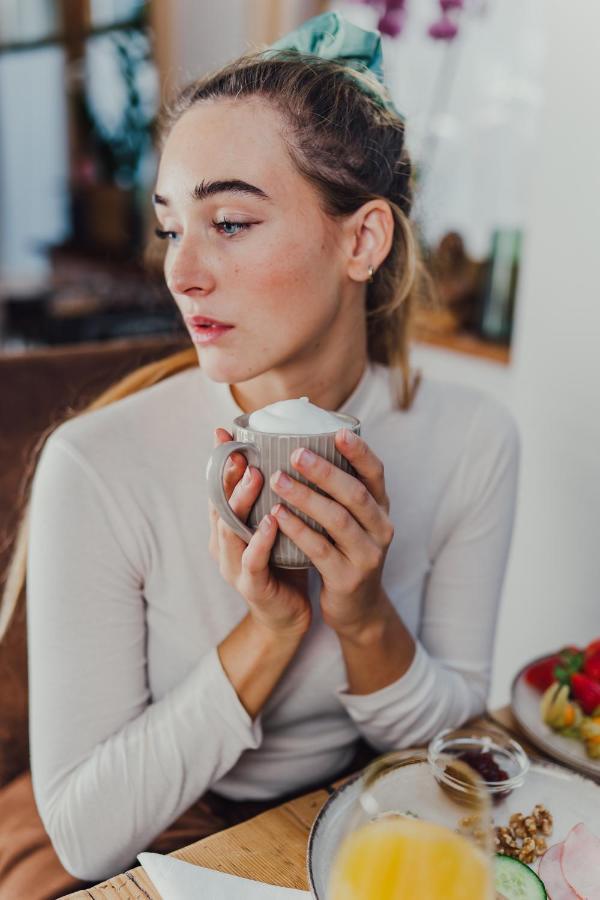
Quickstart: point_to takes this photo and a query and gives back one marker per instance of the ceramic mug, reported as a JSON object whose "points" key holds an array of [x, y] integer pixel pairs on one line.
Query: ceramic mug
{"points": [[269, 452]]}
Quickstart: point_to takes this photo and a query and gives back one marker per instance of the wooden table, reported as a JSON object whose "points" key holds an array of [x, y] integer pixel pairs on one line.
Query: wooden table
{"points": [[270, 847]]}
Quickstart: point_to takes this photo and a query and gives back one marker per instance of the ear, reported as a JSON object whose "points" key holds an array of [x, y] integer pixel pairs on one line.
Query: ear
{"points": [[369, 233]]}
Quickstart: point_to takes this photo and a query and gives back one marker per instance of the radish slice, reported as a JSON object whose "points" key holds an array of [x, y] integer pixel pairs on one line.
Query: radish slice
{"points": [[550, 872], [580, 862]]}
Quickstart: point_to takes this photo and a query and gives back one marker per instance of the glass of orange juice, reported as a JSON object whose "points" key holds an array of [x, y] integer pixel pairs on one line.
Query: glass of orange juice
{"points": [[416, 834]]}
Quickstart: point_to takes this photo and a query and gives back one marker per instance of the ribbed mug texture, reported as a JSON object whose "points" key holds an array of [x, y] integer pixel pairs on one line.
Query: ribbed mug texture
{"points": [[275, 451]]}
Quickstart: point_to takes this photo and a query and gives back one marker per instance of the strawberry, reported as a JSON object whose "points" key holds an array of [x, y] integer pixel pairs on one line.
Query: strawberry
{"points": [[592, 648], [591, 666], [587, 691], [541, 674]]}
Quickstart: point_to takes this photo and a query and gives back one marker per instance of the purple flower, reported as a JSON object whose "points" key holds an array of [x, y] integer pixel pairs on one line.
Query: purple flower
{"points": [[392, 22], [443, 30], [451, 4], [393, 18]]}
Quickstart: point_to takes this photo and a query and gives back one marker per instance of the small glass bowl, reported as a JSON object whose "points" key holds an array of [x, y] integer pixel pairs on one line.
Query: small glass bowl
{"points": [[508, 754]]}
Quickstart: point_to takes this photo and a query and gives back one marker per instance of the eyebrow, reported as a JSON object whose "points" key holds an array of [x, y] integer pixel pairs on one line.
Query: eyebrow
{"points": [[210, 188]]}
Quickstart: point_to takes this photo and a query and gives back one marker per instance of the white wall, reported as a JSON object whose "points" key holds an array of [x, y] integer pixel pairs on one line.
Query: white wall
{"points": [[553, 584], [207, 35], [552, 590]]}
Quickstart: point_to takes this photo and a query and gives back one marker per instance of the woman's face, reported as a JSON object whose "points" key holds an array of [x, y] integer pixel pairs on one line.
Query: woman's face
{"points": [[264, 259]]}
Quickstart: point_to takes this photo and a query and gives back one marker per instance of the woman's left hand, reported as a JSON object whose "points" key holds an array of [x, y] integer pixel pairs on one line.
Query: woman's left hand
{"points": [[355, 515]]}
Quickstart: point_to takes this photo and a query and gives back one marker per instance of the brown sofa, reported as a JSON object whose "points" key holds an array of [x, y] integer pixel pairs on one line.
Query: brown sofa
{"points": [[38, 388]]}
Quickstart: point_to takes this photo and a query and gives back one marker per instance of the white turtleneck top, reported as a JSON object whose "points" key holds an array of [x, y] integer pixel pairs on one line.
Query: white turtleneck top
{"points": [[132, 716]]}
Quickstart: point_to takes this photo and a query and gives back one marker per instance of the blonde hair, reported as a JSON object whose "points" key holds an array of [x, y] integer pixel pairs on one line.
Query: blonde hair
{"points": [[351, 148]]}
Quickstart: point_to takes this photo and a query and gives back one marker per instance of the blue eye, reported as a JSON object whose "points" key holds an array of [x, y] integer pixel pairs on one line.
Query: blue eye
{"points": [[165, 235], [225, 223]]}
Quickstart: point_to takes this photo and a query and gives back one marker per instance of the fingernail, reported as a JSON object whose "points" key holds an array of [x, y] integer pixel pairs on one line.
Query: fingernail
{"points": [[281, 480], [303, 457], [348, 437], [265, 524], [280, 511], [247, 477]]}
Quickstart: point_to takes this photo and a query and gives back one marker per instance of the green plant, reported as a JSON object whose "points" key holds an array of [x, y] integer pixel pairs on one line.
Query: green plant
{"points": [[118, 148]]}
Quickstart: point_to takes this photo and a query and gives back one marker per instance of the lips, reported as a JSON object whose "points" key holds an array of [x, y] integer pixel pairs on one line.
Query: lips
{"points": [[205, 322], [205, 330]]}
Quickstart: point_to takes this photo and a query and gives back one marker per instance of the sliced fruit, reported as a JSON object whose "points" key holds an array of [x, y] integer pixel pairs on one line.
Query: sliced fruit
{"points": [[580, 861], [550, 872], [516, 881]]}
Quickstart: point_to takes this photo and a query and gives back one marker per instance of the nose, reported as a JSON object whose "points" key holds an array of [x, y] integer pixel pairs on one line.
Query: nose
{"points": [[187, 270]]}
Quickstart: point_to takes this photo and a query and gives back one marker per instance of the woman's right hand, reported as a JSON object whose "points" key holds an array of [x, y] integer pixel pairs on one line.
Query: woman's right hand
{"points": [[278, 603]]}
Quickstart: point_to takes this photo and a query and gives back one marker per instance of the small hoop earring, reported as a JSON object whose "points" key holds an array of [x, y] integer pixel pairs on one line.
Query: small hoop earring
{"points": [[370, 270]]}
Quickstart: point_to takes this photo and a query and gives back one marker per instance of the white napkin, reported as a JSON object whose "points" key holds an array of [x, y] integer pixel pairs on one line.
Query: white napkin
{"points": [[178, 880]]}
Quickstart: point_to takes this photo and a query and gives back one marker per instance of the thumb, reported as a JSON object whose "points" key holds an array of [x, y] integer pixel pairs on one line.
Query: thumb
{"points": [[236, 464], [220, 436]]}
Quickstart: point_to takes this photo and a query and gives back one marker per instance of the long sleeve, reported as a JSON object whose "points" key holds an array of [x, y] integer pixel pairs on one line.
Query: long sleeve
{"points": [[111, 769], [448, 680]]}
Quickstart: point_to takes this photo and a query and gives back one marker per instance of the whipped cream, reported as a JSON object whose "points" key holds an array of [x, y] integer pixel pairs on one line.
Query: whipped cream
{"points": [[298, 416]]}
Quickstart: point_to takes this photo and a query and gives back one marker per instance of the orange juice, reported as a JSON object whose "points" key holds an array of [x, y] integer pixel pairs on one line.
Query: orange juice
{"points": [[402, 858]]}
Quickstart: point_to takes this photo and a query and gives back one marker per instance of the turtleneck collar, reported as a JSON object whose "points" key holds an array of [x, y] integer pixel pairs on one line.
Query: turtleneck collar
{"points": [[360, 403]]}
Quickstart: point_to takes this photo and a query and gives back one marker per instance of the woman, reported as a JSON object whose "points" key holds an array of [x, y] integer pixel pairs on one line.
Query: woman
{"points": [[167, 659]]}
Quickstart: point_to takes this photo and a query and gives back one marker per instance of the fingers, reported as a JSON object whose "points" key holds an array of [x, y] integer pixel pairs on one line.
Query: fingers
{"points": [[255, 558], [346, 572], [326, 558], [367, 464], [246, 492], [351, 493], [235, 465], [242, 485], [233, 473], [356, 521], [213, 541], [241, 501]]}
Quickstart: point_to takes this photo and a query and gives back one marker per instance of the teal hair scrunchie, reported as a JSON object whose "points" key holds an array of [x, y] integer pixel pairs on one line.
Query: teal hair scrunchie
{"points": [[331, 36]]}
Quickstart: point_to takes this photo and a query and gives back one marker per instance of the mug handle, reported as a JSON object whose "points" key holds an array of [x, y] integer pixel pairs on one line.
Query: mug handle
{"points": [[216, 491]]}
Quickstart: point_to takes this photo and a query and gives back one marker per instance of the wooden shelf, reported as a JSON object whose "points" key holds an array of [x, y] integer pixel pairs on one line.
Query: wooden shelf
{"points": [[464, 343]]}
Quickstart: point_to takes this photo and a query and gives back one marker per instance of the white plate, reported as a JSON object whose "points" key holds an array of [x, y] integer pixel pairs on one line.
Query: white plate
{"points": [[525, 701], [568, 796]]}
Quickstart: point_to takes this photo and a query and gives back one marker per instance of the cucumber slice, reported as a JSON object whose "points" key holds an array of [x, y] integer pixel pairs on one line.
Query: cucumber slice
{"points": [[516, 881]]}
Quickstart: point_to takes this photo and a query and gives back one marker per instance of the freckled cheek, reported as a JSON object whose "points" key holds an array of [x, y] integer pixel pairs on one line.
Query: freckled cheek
{"points": [[285, 267]]}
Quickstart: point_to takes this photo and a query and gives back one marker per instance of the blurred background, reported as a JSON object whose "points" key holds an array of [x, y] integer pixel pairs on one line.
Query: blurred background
{"points": [[76, 172], [500, 98]]}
